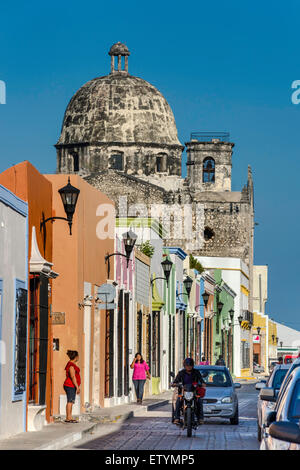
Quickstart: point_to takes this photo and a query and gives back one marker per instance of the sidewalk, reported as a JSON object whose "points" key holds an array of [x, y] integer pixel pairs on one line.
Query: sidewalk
{"points": [[60, 434]]}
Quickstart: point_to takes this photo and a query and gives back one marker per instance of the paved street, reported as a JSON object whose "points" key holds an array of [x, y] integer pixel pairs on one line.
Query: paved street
{"points": [[154, 431]]}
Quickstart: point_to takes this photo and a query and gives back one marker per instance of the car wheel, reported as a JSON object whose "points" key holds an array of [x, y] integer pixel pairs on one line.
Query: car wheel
{"points": [[258, 432], [235, 418]]}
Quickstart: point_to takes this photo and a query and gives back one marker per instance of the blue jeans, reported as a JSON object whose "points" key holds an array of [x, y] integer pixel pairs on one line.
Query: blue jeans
{"points": [[199, 408], [139, 388]]}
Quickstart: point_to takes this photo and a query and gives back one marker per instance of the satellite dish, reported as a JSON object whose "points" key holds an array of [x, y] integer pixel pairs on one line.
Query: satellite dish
{"points": [[106, 293]]}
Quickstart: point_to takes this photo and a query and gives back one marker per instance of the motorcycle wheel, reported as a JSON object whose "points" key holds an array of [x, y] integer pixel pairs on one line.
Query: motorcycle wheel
{"points": [[189, 421]]}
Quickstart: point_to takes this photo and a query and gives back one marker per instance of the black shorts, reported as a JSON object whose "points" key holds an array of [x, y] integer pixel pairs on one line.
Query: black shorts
{"points": [[71, 394]]}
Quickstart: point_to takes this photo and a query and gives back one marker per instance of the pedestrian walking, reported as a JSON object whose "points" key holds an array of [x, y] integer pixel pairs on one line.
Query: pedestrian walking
{"points": [[220, 361], [204, 362], [72, 383], [140, 372]]}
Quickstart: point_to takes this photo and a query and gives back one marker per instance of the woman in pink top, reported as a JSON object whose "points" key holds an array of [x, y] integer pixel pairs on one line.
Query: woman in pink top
{"points": [[140, 371]]}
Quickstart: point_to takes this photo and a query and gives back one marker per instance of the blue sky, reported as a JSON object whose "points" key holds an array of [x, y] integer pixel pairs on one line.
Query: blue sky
{"points": [[221, 66]]}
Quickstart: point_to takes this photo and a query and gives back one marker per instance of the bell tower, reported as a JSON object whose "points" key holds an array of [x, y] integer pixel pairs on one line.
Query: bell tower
{"points": [[209, 162]]}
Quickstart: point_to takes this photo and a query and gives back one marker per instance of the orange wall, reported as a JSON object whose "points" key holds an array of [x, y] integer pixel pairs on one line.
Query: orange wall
{"points": [[78, 258]]}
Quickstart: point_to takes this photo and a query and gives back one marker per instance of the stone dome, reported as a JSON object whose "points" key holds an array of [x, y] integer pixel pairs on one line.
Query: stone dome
{"points": [[119, 49], [118, 108]]}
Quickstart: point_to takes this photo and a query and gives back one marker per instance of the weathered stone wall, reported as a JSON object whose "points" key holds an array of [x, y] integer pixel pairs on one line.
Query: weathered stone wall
{"points": [[137, 159]]}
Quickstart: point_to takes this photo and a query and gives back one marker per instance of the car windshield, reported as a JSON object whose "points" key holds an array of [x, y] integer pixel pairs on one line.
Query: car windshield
{"points": [[278, 378], [294, 409], [216, 378]]}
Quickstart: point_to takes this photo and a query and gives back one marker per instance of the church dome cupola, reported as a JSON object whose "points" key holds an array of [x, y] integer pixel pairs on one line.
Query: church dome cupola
{"points": [[120, 122], [119, 50]]}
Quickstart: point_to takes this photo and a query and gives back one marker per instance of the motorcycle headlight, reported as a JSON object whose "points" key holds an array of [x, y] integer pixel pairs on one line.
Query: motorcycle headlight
{"points": [[188, 395], [226, 400]]}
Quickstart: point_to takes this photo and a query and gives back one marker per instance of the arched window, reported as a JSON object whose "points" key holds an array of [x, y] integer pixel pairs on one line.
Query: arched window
{"points": [[208, 170], [116, 161]]}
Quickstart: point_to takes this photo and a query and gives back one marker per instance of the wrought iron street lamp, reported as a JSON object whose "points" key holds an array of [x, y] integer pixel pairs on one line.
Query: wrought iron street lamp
{"points": [[258, 330], [188, 282], [205, 297], [273, 338], [129, 240], [167, 268], [231, 314], [220, 306], [240, 319], [69, 196]]}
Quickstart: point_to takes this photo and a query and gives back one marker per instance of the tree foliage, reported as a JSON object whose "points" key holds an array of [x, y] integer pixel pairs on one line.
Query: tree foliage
{"points": [[195, 264]]}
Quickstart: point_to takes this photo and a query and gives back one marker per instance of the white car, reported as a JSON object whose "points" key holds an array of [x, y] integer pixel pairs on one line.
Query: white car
{"points": [[282, 431], [273, 384]]}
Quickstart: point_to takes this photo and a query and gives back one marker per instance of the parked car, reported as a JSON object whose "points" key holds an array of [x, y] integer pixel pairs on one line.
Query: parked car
{"points": [[220, 399], [272, 364], [277, 396], [257, 368], [274, 382], [283, 431]]}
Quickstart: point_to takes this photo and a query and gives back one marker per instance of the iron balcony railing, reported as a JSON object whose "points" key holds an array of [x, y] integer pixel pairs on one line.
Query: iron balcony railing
{"points": [[248, 316], [208, 136]]}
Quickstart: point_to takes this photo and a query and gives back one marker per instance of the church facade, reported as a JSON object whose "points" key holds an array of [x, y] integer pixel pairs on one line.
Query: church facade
{"points": [[120, 135]]}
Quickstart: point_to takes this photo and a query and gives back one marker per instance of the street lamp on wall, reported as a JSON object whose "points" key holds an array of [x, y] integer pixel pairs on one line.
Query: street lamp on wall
{"points": [[205, 297], [69, 196], [240, 319], [167, 268], [258, 330], [188, 282], [129, 239], [231, 314], [273, 338]]}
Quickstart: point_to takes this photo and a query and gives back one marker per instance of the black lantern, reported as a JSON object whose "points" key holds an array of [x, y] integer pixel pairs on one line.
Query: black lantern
{"points": [[240, 319], [205, 297], [220, 305], [277, 339], [231, 314], [167, 267], [69, 195], [129, 239], [281, 343], [188, 282], [273, 338], [258, 330]]}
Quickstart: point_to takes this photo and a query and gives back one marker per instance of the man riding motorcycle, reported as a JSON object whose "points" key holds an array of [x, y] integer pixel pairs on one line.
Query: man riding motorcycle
{"points": [[189, 375]]}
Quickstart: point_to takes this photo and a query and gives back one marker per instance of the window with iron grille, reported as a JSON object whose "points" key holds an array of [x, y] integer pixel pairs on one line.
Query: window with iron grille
{"points": [[120, 344], [19, 382], [116, 162], [245, 355], [139, 332], [156, 345]]}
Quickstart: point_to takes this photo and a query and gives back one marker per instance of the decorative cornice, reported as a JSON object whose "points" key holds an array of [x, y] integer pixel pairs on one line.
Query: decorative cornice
{"points": [[13, 201], [177, 251], [37, 263]]}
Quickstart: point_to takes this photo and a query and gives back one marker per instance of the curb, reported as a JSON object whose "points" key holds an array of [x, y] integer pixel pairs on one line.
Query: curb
{"points": [[77, 436]]}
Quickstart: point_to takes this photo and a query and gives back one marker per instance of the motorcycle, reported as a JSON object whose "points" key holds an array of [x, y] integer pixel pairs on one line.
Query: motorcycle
{"points": [[188, 395]]}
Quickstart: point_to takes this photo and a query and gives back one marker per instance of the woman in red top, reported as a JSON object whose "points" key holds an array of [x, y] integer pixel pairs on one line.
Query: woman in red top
{"points": [[72, 383]]}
